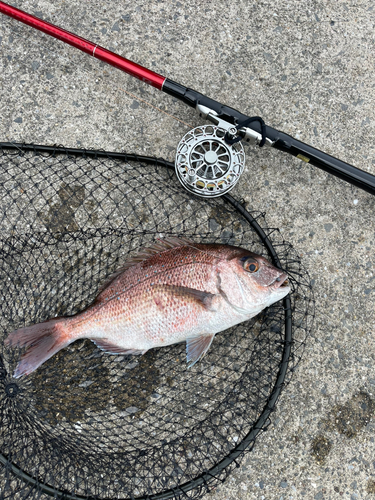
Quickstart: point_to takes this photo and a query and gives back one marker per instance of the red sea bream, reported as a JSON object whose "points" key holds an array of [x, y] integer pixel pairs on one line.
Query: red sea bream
{"points": [[173, 291]]}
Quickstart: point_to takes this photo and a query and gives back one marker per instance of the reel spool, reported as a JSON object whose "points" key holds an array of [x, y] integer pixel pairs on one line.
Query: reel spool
{"points": [[206, 165]]}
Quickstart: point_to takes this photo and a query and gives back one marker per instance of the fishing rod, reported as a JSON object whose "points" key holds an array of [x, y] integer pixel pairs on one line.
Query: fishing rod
{"points": [[209, 159]]}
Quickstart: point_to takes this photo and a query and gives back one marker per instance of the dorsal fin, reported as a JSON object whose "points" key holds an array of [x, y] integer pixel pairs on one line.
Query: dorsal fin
{"points": [[161, 245]]}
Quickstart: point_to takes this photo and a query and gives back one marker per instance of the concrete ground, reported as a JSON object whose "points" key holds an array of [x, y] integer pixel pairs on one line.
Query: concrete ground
{"points": [[308, 69]]}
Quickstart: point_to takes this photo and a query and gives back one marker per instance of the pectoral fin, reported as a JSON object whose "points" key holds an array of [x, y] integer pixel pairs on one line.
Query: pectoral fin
{"points": [[205, 299], [197, 347], [202, 299]]}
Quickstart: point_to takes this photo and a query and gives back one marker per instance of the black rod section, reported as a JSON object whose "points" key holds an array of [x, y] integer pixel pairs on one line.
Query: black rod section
{"points": [[324, 161], [281, 141]]}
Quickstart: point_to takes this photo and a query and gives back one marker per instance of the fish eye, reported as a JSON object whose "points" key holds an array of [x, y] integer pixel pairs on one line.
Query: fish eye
{"points": [[250, 264]]}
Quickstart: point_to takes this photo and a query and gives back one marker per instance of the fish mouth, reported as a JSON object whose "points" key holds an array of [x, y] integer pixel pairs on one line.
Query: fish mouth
{"points": [[281, 282]]}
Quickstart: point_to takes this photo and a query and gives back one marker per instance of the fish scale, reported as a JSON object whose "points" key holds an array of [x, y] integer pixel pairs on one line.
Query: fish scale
{"points": [[173, 291]]}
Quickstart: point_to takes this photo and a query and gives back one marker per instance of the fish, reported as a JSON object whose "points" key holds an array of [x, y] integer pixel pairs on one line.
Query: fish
{"points": [[173, 291]]}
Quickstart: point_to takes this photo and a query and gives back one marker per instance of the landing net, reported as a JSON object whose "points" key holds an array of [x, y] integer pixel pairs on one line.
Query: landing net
{"points": [[91, 425]]}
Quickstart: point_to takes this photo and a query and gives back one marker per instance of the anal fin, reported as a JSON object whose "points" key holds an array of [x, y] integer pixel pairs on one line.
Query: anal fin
{"points": [[197, 347], [110, 348]]}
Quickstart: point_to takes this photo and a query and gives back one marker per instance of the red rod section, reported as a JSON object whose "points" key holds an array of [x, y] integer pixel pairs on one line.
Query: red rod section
{"points": [[94, 50]]}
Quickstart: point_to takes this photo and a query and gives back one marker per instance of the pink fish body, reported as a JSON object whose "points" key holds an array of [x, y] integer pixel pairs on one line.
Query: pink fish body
{"points": [[174, 291]]}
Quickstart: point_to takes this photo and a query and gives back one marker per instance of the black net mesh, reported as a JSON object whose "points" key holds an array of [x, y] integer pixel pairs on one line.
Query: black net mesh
{"points": [[90, 425]]}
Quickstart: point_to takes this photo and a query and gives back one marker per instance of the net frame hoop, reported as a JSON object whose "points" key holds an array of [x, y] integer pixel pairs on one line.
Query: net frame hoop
{"points": [[211, 474]]}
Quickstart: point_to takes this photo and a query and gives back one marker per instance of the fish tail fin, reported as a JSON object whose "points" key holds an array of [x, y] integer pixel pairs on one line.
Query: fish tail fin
{"points": [[42, 341]]}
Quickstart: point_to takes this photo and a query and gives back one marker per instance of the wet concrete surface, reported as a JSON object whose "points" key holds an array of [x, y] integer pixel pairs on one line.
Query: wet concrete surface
{"points": [[308, 70]]}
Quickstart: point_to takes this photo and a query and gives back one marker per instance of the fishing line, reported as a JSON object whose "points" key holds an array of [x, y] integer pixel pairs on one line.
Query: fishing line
{"points": [[209, 159], [86, 425], [83, 70], [155, 107]]}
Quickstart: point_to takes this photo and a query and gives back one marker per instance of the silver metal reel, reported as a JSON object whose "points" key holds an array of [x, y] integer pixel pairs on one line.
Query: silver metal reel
{"points": [[205, 164]]}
